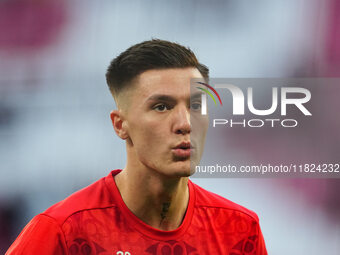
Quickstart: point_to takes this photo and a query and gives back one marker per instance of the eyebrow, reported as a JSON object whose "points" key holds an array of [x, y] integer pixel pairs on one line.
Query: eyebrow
{"points": [[161, 97], [196, 95], [166, 98]]}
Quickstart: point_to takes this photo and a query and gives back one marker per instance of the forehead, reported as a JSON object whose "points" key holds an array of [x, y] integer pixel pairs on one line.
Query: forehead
{"points": [[174, 81]]}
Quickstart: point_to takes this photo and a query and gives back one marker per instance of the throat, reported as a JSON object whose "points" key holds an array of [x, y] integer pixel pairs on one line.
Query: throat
{"points": [[158, 203], [164, 212]]}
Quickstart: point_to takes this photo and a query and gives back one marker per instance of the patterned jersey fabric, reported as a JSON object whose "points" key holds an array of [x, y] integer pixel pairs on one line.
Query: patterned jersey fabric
{"points": [[95, 220]]}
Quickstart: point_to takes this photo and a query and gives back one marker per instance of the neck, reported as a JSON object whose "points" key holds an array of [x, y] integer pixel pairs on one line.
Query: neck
{"points": [[155, 199]]}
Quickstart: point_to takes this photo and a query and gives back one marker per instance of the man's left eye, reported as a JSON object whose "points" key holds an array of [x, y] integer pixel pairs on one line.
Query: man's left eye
{"points": [[161, 107], [195, 106]]}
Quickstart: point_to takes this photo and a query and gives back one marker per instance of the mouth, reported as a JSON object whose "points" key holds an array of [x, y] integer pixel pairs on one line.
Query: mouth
{"points": [[183, 150]]}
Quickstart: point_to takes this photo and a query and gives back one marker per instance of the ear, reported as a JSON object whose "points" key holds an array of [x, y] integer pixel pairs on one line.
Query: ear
{"points": [[118, 124]]}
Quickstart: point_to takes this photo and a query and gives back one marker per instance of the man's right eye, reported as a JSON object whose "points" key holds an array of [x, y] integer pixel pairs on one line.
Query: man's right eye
{"points": [[161, 107]]}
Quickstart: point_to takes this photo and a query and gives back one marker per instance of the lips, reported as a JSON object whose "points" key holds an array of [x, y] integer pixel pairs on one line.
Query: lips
{"points": [[182, 150], [183, 145]]}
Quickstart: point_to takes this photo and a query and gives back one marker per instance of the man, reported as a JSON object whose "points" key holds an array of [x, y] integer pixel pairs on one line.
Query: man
{"points": [[150, 207]]}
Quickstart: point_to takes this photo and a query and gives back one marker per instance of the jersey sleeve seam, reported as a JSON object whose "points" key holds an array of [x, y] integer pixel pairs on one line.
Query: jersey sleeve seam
{"points": [[59, 227], [254, 217], [79, 211]]}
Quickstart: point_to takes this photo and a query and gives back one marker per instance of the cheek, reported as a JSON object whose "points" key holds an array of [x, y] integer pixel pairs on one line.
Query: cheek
{"points": [[200, 128], [199, 137], [147, 135], [150, 147]]}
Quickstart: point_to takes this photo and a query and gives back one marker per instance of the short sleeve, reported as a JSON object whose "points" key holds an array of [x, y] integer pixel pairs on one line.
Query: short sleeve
{"points": [[42, 235], [261, 246]]}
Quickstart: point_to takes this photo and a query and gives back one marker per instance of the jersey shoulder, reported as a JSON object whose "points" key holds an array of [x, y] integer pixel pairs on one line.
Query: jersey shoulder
{"points": [[208, 199], [94, 196]]}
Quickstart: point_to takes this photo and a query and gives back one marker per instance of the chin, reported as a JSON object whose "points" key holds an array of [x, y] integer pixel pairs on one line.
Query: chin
{"points": [[185, 173], [182, 169]]}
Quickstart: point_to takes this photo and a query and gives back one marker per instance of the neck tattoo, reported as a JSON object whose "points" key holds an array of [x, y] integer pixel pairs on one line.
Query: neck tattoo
{"points": [[165, 210]]}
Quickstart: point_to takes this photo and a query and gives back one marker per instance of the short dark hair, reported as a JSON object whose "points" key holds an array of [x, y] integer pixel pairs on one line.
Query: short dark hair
{"points": [[148, 55]]}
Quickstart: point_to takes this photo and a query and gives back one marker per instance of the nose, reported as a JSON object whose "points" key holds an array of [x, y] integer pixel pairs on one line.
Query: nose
{"points": [[182, 120]]}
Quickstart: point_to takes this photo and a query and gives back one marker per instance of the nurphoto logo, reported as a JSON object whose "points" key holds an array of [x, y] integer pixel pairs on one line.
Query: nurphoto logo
{"points": [[294, 96]]}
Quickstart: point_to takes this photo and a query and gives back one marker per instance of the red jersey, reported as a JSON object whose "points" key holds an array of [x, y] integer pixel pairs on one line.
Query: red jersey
{"points": [[95, 220]]}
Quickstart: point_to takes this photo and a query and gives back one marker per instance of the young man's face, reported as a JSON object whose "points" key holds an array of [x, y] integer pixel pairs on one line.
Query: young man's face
{"points": [[166, 130]]}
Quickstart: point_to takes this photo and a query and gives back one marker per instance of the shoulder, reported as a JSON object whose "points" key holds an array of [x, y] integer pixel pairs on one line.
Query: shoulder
{"points": [[206, 199], [34, 239], [94, 196]]}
